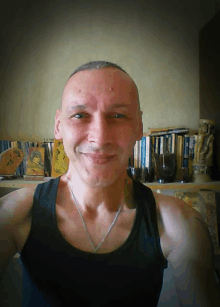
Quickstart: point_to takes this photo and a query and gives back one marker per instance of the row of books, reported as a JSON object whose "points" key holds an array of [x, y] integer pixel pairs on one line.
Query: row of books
{"points": [[180, 141], [25, 147]]}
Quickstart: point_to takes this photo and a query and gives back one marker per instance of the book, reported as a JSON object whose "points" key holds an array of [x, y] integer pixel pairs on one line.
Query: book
{"points": [[136, 154], [173, 137], [167, 143], [153, 130], [162, 144], [143, 157], [1, 146], [185, 151], [149, 144], [191, 155], [176, 131], [60, 161], [157, 145], [179, 156], [139, 154]]}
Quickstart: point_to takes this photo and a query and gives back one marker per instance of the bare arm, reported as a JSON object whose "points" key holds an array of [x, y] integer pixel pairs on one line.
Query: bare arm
{"points": [[14, 210], [192, 264]]}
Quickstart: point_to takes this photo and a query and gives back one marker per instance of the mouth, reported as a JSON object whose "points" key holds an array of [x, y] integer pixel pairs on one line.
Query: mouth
{"points": [[99, 158]]}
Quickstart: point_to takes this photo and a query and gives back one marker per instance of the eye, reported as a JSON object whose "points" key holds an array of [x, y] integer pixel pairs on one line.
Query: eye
{"points": [[119, 115], [79, 115]]}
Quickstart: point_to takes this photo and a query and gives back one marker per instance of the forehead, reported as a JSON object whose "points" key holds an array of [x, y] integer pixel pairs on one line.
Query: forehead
{"points": [[107, 82]]}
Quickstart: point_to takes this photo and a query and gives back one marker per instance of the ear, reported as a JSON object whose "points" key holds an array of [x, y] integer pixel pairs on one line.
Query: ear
{"points": [[57, 127]]}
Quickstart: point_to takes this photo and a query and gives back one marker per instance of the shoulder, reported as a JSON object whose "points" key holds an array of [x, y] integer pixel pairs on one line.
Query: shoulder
{"points": [[16, 205], [190, 252], [15, 217], [173, 209], [178, 223]]}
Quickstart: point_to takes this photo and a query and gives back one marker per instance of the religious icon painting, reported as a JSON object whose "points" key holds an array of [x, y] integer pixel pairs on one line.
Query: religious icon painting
{"points": [[10, 159], [60, 161], [35, 161]]}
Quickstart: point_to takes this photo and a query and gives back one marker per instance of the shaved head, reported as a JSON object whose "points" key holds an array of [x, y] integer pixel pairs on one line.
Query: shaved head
{"points": [[94, 65]]}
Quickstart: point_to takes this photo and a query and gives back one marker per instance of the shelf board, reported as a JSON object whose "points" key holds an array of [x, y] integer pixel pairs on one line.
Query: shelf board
{"points": [[213, 185], [21, 183]]}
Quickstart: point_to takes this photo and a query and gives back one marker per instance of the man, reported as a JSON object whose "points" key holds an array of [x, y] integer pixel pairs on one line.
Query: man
{"points": [[93, 236]]}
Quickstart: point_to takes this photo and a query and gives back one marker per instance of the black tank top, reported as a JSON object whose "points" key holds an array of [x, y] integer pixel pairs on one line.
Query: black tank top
{"points": [[58, 274]]}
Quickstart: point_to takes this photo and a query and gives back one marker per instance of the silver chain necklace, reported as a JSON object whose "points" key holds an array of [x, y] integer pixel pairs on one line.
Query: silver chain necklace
{"points": [[84, 224]]}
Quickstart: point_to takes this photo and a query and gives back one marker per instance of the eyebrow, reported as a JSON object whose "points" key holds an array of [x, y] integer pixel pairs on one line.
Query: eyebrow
{"points": [[84, 106], [120, 105], [76, 106]]}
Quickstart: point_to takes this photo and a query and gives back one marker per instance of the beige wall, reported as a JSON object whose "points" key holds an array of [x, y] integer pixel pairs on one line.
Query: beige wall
{"points": [[155, 41]]}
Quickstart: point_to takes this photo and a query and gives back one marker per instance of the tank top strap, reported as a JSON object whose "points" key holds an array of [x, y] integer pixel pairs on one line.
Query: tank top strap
{"points": [[144, 198], [44, 205]]}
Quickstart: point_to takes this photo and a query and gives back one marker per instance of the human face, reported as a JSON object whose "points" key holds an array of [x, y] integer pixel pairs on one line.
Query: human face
{"points": [[99, 123], [36, 159]]}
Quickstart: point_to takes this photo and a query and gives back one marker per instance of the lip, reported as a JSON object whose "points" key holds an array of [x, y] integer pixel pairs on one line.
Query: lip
{"points": [[99, 159]]}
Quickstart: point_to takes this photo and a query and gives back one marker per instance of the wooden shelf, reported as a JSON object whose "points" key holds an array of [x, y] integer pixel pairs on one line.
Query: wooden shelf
{"points": [[214, 185], [21, 183]]}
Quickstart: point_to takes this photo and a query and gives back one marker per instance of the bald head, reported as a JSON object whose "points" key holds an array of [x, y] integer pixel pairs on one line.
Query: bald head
{"points": [[100, 65]]}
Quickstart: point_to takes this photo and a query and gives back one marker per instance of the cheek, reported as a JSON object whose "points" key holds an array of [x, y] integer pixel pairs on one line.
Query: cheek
{"points": [[72, 134], [126, 137]]}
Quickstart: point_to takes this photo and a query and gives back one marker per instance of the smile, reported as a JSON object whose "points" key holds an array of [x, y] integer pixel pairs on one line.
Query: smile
{"points": [[99, 159]]}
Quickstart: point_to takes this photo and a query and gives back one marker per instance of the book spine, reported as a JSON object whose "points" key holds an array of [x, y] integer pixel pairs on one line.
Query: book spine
{"points": [[18, 170], [186, 151], [191, 154], [136, 154], [143, 157], [173, 142], [23, 148], [152, 130], [162, 147], [47, 163], [179, 156], [157, 145], [21, 166], [26, 152], [167, 143], [139, 155], [148, 152], [1, 146], [5, 145]]}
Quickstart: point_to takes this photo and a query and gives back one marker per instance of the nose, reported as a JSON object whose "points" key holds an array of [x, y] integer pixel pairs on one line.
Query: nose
{"points": [[100, 131]]}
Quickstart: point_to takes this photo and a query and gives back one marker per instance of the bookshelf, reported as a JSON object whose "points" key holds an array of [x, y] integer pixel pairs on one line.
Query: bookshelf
{"points": [[213, 185]]}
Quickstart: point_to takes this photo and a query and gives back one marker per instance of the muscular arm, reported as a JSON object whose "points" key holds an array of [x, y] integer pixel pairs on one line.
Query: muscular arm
{"points": [[192, 263], [14, 210]]}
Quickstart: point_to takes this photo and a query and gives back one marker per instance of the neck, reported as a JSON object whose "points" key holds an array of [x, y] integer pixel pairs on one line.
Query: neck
{"points": [[94, 199]]}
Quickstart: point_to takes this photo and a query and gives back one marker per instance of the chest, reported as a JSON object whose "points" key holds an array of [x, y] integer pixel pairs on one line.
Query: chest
{"points": [[80, 231]]}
